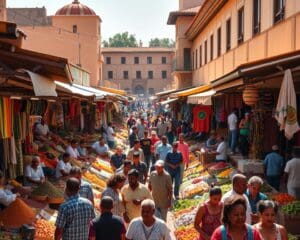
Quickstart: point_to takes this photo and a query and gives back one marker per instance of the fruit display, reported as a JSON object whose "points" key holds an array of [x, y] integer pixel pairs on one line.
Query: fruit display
{"points": [[283, 198], [186, 219], [94, 179], [226, 173], [44, 230], [186, 203], [187, 233], [194, 189], [102, 166], [292, 237], [292, 208]]}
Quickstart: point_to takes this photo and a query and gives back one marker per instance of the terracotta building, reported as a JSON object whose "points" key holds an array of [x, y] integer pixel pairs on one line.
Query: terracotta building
{"points": [[141, 71], [74, 32]]}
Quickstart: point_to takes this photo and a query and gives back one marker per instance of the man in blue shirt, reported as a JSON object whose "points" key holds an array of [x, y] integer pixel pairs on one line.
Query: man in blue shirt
{"points": [[274, 164], [254, 195], [163, 149], [173, 161]]}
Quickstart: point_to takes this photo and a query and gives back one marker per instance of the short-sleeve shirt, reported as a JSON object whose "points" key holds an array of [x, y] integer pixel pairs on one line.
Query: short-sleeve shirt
{"points": [[41, 129], [232, 121], [162, 150], [292, 167], [110, 131], [141, 129], [138, 231], [174, 158], [146, 145], [222, 150], [100, 149], [140, 193], [142, 169], [118, 208], [107, 227], [117, 160], [274, 164], [161, 186], [253, 203], [73, 152], [74, 217], [34, 174], [86, 191], [62, 166]]}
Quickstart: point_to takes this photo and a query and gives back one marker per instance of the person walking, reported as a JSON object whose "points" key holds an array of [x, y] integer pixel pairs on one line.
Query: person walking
{"points": [[132, 196], [162, 149], [244, 135], [74, 215], [141, 127], [141, 167], [136, 149], [291, 175], [107, 226], [232, 121], [173, 161], [148, 227], [117, 159], [110, 135], [160, 184], [273, 164], [133, 137], [208, 216], [146, 145]]}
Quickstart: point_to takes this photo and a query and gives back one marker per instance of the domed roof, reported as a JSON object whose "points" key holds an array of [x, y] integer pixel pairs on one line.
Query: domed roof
{"points": [[75, 8]]}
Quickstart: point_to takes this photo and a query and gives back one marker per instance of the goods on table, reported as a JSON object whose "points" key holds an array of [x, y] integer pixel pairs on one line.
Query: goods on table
{"points": [[14, 183], [186, 218], [283, 198], [186, 203], [94, 179], [102, 165], [226, 173], [44, 230], [186, 233], [17, 214], [49, 190], [292, 237], [292, 208], [194, 189], [218, 166]]}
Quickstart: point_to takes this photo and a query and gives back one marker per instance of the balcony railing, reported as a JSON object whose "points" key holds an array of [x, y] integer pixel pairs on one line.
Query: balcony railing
{"points": [[185, 67]]}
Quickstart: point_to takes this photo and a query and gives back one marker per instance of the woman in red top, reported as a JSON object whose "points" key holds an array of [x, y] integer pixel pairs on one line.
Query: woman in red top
{"points": [[208, 216], [234, 222]]}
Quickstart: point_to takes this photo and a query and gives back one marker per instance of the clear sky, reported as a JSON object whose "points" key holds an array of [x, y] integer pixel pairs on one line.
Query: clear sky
{"points": [[145, 19]]}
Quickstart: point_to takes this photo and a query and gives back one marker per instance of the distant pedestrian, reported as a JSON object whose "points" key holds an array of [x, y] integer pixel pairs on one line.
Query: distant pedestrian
{"points": [[141, 127], [133, 136], [146, 145], [232, 121], [74, 215], [118, 158], [274, 167], [136, 148], [107, 226], [160, 184], [163, 148], [124, 169], [141, 167], [244, 135], [110, 135]]}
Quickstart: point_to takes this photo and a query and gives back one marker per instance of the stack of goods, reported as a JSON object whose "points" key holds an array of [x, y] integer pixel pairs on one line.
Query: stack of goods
{"points": [[44, 230], [48, 191], [17, 214], [290, 217], [186, 233]]}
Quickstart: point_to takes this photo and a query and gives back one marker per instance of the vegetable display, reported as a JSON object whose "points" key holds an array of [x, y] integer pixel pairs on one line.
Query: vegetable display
{"points": [[292, 208]]}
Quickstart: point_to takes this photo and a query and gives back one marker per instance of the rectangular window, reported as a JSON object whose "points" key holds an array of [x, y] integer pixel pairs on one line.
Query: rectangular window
{"points": [[200, 55], [278, 10], [110, 74], [150, 74], [219, 47], [136, 60], [108, 60], [125, 74], [164, 60], [196, 59], [241, 25], [187, 59], [123, 60], [193, 61], [138, 75], [149, 60], [211, 47], [228, 34], [205, 52], [74, 28], [164, 74], [256, 16]]}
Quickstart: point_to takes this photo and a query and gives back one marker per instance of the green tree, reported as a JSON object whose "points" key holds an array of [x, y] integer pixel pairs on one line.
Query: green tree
{"points": [[163, 42], [121, 40]]}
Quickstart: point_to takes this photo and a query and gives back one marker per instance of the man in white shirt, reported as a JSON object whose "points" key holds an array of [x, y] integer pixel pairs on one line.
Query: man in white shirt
{"points": [[110, 136], [148, 227], [6, 196], [34, 173], [291, 174], [221, 150], [72, 149], [239, 187], [100, 148], [232, 121], [63, 167]]}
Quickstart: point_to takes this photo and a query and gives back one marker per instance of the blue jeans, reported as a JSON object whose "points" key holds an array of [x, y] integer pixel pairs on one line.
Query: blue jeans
{"points": [[148, 159], [111, 144], [176, 177], [233, 137], [274, 181]]}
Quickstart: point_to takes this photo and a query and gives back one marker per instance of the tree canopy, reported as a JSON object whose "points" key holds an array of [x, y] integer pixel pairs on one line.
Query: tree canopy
{"points": [[163, 42], [121, 40]]}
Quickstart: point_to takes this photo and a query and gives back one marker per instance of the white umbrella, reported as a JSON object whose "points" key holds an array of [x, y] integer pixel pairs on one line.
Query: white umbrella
{"points": [[286, 110]]}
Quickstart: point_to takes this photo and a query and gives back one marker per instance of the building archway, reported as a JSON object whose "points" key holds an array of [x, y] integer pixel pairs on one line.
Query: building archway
{"points": [[139, 90]]}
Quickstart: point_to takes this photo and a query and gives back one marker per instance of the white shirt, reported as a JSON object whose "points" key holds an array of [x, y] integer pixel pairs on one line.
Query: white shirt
{"points": [[159, 230], [42, 129], [292, 167], [222, 150], [7, 197], [33, 174], [110, 131], [62, 166], [73, 152], [100, 149], [232, 121], [248, 211]]}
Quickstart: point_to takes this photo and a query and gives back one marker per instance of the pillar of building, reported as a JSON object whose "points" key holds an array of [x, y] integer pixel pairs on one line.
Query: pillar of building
{"points": [[3, 10]]}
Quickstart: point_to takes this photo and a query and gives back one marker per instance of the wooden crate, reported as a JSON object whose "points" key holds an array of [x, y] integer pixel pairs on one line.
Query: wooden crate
{"points": [[206, 158]]}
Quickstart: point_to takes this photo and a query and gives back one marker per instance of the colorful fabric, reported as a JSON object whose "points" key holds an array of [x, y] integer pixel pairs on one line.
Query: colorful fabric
{"points": [[201, 118]]}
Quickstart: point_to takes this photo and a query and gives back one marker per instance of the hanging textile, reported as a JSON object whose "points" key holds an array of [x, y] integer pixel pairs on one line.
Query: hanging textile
{"points": [[201, 118], [19, 156]]}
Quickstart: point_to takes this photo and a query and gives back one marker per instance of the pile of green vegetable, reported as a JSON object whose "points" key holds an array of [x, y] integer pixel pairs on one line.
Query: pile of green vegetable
{"points": [[186, 203], [49, 190], [292, 208]]}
